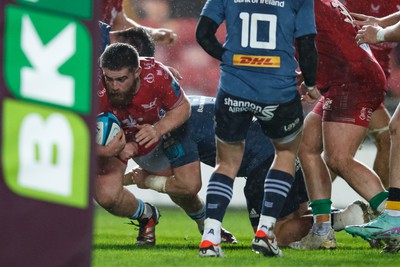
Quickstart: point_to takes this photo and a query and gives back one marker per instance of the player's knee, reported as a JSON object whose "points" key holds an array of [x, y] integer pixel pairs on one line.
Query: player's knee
{"points": [[183, 189], [337, 163], [107, 199], [309, 149], [192, 190]]}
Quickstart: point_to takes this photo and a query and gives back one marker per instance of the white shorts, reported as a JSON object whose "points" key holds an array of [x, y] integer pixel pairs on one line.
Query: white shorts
{"points": [[154, 161]]}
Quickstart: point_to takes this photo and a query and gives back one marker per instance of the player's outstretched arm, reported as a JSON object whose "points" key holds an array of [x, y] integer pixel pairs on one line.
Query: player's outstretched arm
{"points": [[136, 176], [377, 30], [160, 35], [362, 20], [376, 34], [146, 180]]}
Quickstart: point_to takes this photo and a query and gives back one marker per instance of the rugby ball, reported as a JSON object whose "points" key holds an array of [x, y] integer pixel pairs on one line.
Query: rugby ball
{"points": [[107, 128]]}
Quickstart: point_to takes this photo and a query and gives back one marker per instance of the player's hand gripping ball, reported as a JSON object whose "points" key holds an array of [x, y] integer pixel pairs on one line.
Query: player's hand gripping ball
{"points": [[107, 128]]}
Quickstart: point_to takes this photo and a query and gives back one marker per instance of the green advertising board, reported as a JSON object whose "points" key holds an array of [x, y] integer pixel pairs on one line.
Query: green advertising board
{"points": [[77, 8], [48, 87], [48, 59], [45, 153]]}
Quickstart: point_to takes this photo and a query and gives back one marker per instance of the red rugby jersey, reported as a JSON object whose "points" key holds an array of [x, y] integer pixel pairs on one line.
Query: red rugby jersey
{"points": [[341, 60], [158, 93]]}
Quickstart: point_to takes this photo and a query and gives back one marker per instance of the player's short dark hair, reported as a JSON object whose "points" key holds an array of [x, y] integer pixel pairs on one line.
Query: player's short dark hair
{"points": [[118, 56], [139, 38]]}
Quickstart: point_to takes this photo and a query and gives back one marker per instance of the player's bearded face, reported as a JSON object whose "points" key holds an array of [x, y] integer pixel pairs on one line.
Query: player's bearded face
{"points": [[121, 86], [119, 98]]}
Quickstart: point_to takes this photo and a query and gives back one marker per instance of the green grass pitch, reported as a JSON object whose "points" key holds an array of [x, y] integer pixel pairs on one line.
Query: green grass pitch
{"points": [[178, 240]]}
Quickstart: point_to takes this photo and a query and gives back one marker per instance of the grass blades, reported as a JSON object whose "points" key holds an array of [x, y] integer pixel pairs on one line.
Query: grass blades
{"points": [[178, 240]]}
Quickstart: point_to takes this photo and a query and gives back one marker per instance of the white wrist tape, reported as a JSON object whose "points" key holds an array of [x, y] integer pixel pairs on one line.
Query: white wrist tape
{"points": [[156, 183], [380, 35]]}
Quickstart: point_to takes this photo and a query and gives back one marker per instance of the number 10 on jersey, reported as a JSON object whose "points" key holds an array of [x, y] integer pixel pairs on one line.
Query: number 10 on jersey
{"points": [[250, 28]]}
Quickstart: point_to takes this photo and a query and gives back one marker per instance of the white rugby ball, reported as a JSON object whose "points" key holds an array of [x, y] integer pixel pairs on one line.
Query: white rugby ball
{"points": [[107, 128]]}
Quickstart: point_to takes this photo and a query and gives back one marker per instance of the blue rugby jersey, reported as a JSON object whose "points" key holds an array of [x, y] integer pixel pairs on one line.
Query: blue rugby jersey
{"points": [[260, 63]]}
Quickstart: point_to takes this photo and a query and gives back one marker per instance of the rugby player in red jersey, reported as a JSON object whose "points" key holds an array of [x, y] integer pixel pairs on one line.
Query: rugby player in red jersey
{"points": [[378, 129], [353, 85], [387, 226], [149, 103]]}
